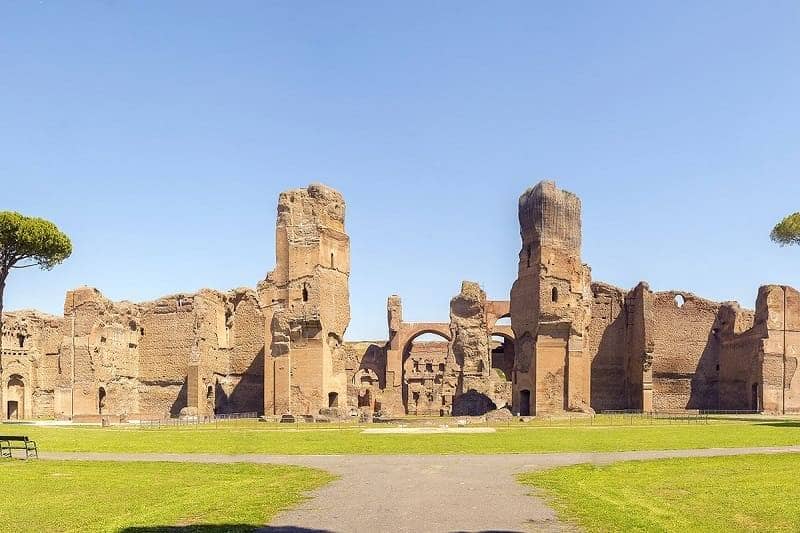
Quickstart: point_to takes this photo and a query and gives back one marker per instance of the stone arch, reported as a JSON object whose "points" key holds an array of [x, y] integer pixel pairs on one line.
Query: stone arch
{"points": [[411, 331], [498, 313], [366, 376], [422, 383]]}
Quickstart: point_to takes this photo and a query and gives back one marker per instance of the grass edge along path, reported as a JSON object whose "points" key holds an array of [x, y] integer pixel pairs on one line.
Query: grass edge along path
{"points": [[255, 439], [149, 496], [734, 493]]}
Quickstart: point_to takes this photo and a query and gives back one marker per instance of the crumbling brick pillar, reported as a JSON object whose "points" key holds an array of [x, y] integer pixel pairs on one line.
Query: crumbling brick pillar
{"points": [[309, 303], [550, 305], [393, 394]]}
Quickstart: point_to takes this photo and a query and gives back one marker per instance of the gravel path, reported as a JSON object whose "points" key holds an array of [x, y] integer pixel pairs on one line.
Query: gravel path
{"points": [[431, 493]]}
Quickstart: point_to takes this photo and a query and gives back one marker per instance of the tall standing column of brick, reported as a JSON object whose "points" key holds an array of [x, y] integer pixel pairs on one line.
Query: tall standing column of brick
{"points": [[550, 305], [307, 303]]}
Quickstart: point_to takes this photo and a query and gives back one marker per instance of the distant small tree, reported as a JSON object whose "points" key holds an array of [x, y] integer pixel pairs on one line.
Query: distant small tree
{"points": [[787, 231], [28, 242]]}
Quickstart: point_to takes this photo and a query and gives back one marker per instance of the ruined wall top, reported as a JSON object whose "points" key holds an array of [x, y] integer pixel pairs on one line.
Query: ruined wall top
{"points": [[550, 216], [317, 204], [778, 308], [470, 303]]}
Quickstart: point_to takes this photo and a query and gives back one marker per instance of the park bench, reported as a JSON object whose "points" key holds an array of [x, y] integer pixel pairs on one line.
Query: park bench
{"points": [[18, 442]]}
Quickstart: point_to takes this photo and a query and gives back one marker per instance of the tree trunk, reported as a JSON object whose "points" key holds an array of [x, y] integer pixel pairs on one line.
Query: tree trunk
{"points": [[3, 275]]}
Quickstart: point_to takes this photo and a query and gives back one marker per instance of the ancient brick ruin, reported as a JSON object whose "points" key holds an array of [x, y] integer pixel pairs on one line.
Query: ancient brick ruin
{"points": [[572, 344]]}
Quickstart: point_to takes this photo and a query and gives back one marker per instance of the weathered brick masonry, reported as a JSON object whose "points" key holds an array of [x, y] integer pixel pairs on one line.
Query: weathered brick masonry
{"points": [[572, 345]]}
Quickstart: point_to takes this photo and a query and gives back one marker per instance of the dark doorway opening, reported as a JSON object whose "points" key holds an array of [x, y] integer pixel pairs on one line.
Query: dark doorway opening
{"points": [[13, 410], [333, 399], [756, 401], [525, 403], [364, 400], [101, 400]]}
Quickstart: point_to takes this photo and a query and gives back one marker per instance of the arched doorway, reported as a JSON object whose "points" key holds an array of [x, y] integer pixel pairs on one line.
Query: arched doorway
{"points": [[502, 353], [524, 402], [101, 400], [425, 389], [211, 408], [15, 398]]}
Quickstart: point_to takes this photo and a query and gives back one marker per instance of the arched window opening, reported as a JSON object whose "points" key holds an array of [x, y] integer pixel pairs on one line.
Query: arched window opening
{"points": [[529, 256], [21, 339], [101, 400], [502, 355], [209, 392], [332, 260], [679, 300], [305, 292], [333, 399], [554, 294]]}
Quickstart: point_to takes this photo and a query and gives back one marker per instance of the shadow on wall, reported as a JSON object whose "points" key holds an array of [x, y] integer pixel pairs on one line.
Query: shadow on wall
{"points": [[609, 369], [248, 394], [705, 381], [221, 528], [472, 403], [374, 359], [180, 402]]}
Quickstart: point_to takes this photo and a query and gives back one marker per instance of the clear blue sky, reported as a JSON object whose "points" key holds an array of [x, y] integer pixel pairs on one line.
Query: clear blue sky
{"points": [[159, 134]]}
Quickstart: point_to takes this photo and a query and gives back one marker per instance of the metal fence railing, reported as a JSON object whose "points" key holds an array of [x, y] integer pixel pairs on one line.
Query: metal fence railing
{"points": [[566, 419], [197, 420]]}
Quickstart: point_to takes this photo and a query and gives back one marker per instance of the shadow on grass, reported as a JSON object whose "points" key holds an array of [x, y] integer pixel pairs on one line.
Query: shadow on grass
{"points": [[784, 424], [220, 528], [224, 528]]}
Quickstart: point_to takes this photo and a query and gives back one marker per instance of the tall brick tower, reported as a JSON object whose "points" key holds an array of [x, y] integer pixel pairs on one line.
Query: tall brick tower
{"points": [[308, 304], [550, 305]]}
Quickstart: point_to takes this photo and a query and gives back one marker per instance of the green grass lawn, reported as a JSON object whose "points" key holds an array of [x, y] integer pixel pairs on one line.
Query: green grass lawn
{"points": [[741, 493], [257, 437], [101, 496]]}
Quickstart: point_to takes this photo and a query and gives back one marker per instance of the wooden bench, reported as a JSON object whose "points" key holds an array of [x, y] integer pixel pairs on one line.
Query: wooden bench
{"points": [[18, 442]]}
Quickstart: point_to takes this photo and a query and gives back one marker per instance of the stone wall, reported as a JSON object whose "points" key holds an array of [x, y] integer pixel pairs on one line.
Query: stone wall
{"points": [[759, 353], [686, 355], [607, 348], [573, 345], [30, 364]]}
